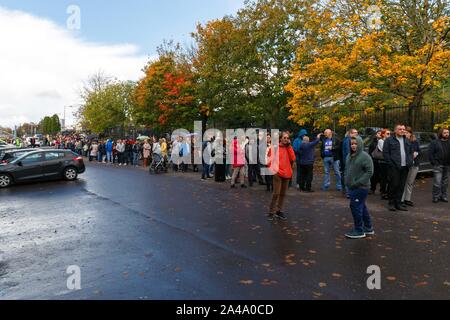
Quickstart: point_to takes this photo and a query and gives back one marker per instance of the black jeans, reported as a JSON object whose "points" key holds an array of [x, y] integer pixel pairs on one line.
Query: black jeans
{"points": [[299, 172], [121, 157], [397, 184], [254, 174], [384, 177], [376, 178], [306, 176]]}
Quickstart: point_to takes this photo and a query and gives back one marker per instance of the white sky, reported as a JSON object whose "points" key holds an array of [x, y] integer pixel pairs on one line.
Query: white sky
{"points": [[43, 67]]}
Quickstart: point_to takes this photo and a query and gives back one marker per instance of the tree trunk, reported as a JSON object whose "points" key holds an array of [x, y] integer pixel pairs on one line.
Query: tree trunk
{"points": [[413, 110]]}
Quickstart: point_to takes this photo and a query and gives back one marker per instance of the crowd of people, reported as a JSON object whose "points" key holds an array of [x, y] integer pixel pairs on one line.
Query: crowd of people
{"points": [[390, 164]]}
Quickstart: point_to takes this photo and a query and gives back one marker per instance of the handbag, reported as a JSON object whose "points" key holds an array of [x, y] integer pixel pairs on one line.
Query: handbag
{"points": [[377, 154]]}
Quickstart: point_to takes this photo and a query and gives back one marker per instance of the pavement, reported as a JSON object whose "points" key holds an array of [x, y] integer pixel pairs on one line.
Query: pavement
{"points": [[172, 236]]}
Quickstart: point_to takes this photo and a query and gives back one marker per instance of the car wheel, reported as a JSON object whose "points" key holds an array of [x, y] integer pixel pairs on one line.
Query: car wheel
{"points": [[5, 181], [70, 174]]}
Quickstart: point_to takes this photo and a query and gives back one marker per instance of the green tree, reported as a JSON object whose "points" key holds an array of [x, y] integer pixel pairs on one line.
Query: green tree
{"points": [[108, 104], [243, 62]]}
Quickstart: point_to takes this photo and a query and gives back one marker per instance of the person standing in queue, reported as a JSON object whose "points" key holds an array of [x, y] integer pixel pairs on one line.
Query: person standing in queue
{"points": [[359, 171], [281, 160]]}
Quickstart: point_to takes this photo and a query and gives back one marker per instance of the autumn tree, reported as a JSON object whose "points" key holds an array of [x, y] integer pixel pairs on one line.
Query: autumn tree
{"points": [[165, 95], [220, 62], [369, 55], [243, 62]]}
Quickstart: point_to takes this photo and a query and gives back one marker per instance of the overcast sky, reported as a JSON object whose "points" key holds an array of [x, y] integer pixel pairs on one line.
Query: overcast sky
{"points": [[43, 63]]}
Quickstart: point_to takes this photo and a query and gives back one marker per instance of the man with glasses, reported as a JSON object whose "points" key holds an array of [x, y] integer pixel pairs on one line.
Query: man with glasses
{"points": [[280, 163], [398, 155]]}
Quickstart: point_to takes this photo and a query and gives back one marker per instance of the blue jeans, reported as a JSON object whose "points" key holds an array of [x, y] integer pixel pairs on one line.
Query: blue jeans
{"points": [[329, 163], [205, 172], [109, 156], [135, 158], [360, 213], [100, 157]]}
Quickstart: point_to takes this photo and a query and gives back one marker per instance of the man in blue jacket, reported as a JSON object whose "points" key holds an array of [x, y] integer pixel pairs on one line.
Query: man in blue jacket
{"points": [[109, 151], [306, 163], [296, 146]]}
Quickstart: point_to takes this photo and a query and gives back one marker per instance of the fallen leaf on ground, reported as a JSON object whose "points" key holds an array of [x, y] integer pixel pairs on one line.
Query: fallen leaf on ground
{"points": [[267, 282], [421, 284], [391, 278]]}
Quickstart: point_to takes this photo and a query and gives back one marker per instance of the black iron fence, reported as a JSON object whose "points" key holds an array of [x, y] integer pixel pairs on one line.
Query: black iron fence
{"points": [[424, 118]]}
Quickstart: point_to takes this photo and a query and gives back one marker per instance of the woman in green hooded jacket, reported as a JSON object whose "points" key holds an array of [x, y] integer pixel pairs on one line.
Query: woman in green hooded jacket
{"points": [[359, 171]]}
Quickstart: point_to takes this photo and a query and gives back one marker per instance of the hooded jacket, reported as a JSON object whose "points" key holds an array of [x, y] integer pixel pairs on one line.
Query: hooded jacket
{"points": [[298, 142], [359, 168], [109, 146]]}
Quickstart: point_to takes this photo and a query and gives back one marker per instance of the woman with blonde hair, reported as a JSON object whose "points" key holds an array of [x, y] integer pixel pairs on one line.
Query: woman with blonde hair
{"points": [[147, 150]]}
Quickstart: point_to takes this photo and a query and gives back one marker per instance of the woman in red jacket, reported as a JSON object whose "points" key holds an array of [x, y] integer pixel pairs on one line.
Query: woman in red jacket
{"points": [[281, 166], [238, 157]]}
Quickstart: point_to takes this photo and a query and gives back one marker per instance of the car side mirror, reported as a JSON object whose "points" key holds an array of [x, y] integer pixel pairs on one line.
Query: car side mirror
{"points": [[20, 164]]}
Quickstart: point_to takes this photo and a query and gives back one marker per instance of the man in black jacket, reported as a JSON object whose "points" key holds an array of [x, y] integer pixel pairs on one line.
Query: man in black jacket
{"points": [[439, 154], [397, 152]]}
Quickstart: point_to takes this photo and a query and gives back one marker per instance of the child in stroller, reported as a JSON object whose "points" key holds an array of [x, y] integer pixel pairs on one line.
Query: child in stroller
{"points": [[158, 164]]}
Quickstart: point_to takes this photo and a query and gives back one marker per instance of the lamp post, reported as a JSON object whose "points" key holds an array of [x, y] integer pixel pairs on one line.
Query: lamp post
{"points": [[64, 119]]}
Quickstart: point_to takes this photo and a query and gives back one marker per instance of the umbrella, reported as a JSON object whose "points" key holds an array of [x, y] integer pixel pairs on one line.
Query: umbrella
{"points": [[142, 138]]}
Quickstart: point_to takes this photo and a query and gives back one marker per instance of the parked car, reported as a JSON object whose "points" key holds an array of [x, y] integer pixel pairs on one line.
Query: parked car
{"points": [[424, 139], [7, 149], [42, 165], [10, 155], [3, 145]]}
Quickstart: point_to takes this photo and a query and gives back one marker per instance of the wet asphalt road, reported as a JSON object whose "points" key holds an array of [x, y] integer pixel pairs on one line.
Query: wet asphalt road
{"points": [[171, 236]]}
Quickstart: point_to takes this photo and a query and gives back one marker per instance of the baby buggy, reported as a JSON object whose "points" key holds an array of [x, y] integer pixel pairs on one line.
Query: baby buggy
{"points": [[157, 164]]}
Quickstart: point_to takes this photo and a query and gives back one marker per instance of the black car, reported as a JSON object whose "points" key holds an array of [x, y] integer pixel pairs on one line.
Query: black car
{"points": [[424, 139], [5, 150], [10, 155], [42, 165]]}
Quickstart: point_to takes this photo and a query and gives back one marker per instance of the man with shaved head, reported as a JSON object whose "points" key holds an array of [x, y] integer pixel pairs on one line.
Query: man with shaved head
{"points": [[331, 155]]}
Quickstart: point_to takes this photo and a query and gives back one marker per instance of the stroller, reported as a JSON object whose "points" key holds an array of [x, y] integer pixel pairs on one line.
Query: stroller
{"points": [[158, 164]]}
